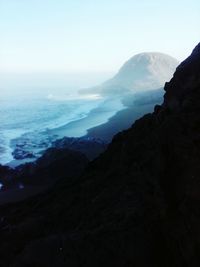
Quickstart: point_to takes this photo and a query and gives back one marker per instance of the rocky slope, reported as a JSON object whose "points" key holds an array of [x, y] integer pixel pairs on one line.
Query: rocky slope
{"points": [[89, 146], [143, 72], [67, 158], [55, 164], [138, 204]]}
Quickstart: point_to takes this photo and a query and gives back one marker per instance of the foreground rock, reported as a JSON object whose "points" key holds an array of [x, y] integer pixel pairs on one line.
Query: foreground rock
{"points": [[136, 205], [53, 166], [91, 147], [67, 158]]}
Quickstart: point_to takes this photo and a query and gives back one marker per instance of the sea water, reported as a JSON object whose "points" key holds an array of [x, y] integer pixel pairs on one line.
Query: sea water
{"points": [[29, 116]]}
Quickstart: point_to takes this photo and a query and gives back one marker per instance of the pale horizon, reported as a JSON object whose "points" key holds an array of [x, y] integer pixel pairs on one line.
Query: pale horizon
{"points": [[89, 37]]}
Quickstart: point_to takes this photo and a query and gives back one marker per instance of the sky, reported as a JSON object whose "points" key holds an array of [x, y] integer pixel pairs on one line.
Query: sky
{"points": [[92, 35]]}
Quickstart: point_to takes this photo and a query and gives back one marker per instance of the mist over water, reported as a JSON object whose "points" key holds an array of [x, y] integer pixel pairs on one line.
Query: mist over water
{"points": [[32, 105]]}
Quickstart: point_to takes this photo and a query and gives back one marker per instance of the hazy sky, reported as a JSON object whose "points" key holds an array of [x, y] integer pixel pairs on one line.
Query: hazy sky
{"points": [[93, 35]]}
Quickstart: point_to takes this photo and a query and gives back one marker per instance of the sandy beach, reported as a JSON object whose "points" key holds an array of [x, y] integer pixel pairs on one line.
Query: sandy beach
{"points": [[122, 120], [113, 116], [105, 124], [96, 117]]}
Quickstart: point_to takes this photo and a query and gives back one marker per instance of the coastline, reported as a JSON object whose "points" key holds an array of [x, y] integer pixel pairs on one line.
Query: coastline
{"points": [[122, 120], [76, 129], [96, 117], [102, 123], [113, 122]]}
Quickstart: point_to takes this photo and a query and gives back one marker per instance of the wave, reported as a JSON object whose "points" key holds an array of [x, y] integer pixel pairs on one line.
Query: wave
{"points": [[32, 124], [34, 117], [72, 97]]}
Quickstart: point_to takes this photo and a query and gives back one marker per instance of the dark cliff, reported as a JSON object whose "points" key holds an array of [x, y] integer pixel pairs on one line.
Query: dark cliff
{"points": [[138, 204]]}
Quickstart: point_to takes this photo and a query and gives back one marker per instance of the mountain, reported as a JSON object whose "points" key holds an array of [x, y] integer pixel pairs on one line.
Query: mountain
{"points": [[136, 205], [143, 72]]}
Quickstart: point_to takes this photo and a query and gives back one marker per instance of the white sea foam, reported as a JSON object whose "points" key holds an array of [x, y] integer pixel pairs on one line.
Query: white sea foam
{"points": [[74, 97], [35, 118]]}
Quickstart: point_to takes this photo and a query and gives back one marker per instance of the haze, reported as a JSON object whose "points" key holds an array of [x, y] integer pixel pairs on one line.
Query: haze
{"points": [[92, 36]]}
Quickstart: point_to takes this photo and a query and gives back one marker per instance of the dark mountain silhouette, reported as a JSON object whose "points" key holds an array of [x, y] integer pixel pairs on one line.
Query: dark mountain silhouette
{"points": [[138, 204]]}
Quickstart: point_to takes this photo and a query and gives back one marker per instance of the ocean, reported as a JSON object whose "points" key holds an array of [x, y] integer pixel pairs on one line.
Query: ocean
{"points": [[29, 116]]}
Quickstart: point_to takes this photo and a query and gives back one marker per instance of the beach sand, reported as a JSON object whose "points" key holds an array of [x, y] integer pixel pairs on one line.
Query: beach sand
{"points": [[104, 122], [96, 117], [122, 120]]}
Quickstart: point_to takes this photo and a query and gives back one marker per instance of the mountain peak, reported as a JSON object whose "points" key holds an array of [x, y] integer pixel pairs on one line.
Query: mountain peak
{"points": [[146, 71], [142, 72]]}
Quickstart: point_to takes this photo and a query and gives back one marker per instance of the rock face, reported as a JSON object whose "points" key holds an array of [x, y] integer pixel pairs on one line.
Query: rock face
{"points": [[136, 205], [143, 72]]}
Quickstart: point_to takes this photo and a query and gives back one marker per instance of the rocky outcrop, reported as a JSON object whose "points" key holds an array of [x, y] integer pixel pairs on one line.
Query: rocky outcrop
{"points": [[136, 205], [6, 175], [54, 165], [25, 149], [89, 146]]}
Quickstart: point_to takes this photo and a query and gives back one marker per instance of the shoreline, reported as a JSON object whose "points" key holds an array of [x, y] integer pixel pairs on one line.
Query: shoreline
{"points": [[78, 128], [96, 117], [102, 122], [121, 121], [112, 121]]}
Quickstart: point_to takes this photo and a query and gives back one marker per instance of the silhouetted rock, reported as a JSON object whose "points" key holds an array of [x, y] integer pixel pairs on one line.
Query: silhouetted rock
{"points": [[138, 204], [5, 176], [89, 146], [55, 164], [4, 170]]}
